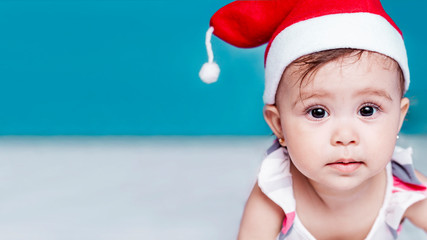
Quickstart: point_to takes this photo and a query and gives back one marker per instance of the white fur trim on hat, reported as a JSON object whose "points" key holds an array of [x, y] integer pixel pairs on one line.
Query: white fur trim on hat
{"points": [[347, 30]]}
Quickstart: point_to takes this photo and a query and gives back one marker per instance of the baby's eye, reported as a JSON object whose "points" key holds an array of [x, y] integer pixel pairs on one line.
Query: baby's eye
{"points": [[367, 111], [318, 113]]}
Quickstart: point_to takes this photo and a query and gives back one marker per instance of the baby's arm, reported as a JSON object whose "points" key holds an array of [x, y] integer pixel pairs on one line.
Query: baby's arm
{"points": [[417, 213], [262, 218]]}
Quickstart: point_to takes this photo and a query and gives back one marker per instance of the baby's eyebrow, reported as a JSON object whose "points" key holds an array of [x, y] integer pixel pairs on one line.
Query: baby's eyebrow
{"points": [[304, 96], [376, 92], [325, 94]]}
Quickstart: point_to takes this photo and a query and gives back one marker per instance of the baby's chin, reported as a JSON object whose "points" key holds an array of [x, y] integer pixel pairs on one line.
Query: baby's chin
{"points": [[343, 182]]}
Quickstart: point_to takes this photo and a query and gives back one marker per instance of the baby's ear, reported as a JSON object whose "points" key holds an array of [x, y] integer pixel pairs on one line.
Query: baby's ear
{"points": [[404, 106], [272, 117]]}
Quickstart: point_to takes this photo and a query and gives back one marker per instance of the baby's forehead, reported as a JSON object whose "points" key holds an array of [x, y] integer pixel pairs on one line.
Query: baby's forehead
{"points": [[381, 60], [303, 70]]}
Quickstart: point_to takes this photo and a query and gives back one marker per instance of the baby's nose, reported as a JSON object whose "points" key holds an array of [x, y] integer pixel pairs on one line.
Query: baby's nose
{"points": [[344, 135]]}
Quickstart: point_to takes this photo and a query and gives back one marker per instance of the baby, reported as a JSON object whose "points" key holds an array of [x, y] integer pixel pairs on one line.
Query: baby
{"points": [[337, 115], [336, 75]]}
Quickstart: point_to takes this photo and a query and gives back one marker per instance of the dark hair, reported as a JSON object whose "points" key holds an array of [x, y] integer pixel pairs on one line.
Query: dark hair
{"points": [[311, 63]]}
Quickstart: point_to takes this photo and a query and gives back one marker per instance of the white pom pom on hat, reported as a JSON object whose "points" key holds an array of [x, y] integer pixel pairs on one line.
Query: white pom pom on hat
{"points": [[210, 70], [294, 28]]}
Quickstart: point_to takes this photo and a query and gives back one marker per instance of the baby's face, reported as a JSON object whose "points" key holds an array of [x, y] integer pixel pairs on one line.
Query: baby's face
{"points": [[340, 127]]}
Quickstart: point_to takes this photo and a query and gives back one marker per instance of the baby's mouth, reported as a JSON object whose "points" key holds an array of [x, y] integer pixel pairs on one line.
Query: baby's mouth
{"points": [[345, 165]]}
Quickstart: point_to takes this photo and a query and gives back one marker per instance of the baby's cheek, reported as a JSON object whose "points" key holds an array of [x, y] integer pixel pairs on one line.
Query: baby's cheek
{"points": [[379, 146]]}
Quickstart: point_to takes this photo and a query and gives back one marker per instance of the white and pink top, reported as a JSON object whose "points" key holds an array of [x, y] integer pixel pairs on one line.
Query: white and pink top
{"points": [[403, 190]]}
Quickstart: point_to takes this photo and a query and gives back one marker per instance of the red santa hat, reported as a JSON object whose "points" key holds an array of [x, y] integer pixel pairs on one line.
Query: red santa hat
{"points": [[294, 28]]}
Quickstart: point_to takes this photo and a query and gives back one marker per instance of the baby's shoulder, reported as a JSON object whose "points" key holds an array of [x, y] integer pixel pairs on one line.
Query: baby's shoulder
{"points": [[412, 194], [416, 214]]}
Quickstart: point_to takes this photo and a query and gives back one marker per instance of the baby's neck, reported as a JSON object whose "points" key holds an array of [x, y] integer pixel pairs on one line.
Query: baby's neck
{"points": [[322, 209]]}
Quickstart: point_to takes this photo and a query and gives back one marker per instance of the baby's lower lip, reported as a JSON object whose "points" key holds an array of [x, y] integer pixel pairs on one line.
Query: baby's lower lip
{"points": [[345, 167]]}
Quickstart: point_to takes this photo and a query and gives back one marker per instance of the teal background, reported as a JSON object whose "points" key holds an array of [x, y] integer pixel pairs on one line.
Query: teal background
{"points": [[131, 68]]}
